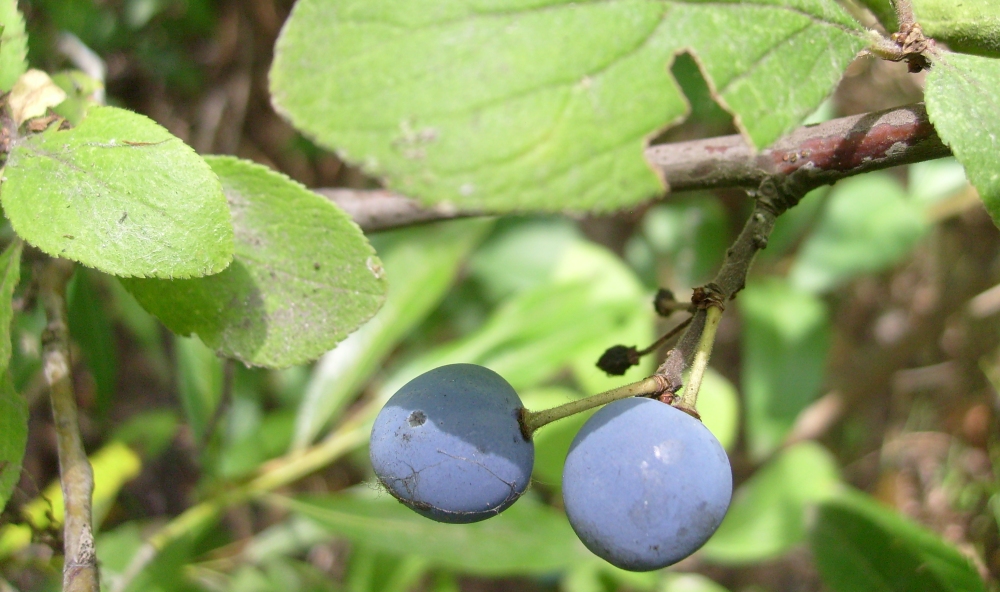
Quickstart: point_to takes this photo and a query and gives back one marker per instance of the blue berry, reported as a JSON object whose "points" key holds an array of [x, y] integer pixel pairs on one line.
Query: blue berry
{"points": [[645, 484], [448, 444]]}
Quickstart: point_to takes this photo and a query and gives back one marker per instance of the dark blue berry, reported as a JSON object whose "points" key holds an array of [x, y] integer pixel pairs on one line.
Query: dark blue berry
{"points": [[645, 484], [448, 444]]}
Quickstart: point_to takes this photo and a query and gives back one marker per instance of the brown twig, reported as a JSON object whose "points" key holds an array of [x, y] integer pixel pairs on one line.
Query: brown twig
{"points": [[771, 202], [809, 157], [75, 474]]}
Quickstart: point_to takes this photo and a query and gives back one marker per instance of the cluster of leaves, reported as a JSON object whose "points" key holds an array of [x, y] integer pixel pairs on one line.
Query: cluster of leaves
{"points": [[536, 105]]}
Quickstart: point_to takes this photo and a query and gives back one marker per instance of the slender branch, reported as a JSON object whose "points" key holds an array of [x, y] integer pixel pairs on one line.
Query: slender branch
{"points": [[771, 202], [378, 209], [75, 473], [532, 420], [904, 13], [807, 158], [665, 338]]}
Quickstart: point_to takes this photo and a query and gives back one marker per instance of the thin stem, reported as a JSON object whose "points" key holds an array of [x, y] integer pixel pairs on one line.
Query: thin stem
{"points": [[771, 202], [75, 473], [904, 13], [666, 337], [532, 420], [689, 399]]}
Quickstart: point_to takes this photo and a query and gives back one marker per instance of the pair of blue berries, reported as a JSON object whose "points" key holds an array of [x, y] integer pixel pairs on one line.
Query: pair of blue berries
{"points": [[644, 484]]}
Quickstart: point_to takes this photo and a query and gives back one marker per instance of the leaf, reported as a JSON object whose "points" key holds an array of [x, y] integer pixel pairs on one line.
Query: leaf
{"points": [[371, 571], [690, 234], [81, 91], [867, 225], [520, 254], [962, 103], [785, 340], [303, 276], [768, 513], [528, 538], [199, 383], [13, 45], [91, 328], [422, 263], [13, 436], [862, 546], [13, 406], [969, 26], [688, 582], [120, 194], [10, 275], [542, 104], [33, 95]]}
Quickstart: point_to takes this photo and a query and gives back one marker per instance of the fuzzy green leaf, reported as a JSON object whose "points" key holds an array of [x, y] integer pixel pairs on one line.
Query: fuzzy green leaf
{"points": [[13, 45], [970, 26], [962, 101], [13, 436], [423, 262], [542, 104], [10, 275], [121, 194], [303, 276]]}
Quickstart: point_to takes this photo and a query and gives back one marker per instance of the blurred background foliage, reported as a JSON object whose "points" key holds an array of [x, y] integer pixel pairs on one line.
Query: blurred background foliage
{"points": [[854, 382]]}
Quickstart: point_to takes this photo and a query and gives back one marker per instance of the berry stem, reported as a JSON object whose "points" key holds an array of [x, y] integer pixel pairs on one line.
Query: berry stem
{"points": [[689, 398], [666, 337], [532, 420]]}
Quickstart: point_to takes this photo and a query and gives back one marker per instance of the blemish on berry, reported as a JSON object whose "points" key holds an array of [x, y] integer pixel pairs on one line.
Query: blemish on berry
{"points": [[417, 419]]}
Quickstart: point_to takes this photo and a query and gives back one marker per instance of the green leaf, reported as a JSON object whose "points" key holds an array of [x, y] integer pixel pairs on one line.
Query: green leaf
{"points": [[690, 234], [962, 103], [861, 546], [91, 328], [969, 26], [120, 194], [521, 254], [528, 538], [537, 332], [10, 275], [80, 90], [303, 276], [768, 514], [868, 224], [13, 406], [13, 45], [13, 436], [422, 263], [542, 104], [785, 340], [372, 571], [199, 383], [688, 582]]}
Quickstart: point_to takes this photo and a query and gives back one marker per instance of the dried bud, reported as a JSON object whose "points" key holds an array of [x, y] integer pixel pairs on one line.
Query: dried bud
{"points": [[618, 359], [665, 303]]}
